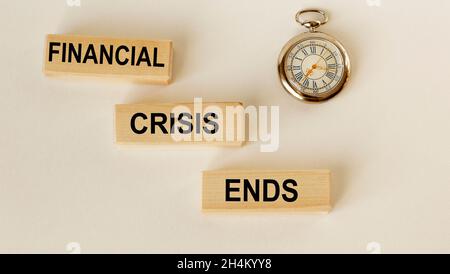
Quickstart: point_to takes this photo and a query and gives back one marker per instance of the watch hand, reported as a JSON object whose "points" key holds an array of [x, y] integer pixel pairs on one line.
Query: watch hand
{"points": [[308, 73], [318, 61], [321, 68], [311, 70]]}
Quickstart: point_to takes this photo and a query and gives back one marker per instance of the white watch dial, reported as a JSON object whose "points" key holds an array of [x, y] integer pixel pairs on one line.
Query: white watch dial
{"points": [[314, 66]]}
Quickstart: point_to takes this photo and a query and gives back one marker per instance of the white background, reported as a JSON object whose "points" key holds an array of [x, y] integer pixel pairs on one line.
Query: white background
{"points": [[385, 137]]}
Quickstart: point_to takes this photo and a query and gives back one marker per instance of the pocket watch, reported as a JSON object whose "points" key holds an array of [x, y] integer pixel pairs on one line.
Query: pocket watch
{"points": [[313, 66]]}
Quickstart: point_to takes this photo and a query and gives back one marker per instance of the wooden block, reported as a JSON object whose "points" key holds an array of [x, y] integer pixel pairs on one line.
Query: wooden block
{"points": [[141, 60], [190, 123], [307, 191]]}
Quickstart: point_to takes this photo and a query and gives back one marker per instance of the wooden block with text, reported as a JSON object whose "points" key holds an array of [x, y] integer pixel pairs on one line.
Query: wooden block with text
{"points": [[184, 123], [148, 61], [267, 190]]}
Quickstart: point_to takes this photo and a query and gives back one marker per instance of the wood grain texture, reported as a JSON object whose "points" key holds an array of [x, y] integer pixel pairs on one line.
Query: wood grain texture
{"points": [[147, 61], [313, 188], [155, 135]]}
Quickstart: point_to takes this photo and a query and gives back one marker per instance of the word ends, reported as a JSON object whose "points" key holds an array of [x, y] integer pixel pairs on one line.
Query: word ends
{"points": [[267, 190]]}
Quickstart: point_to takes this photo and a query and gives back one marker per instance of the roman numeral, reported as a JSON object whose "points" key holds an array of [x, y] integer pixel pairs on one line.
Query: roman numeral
{"points": [[331, 66], [299, 76], [306, 83], [313, 49], [296, 67], [323, 49], [304, 52], [324, 83], [330, 75], [329, 57], [315, 87]]}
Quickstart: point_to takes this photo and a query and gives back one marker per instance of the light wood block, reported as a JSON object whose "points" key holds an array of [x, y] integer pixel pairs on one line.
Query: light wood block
{"points": [[140, 60], [184, 123], [255, 190]]}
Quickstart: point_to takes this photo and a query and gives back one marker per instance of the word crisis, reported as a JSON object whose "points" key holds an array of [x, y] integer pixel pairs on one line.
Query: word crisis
{"points": [[121, 55], [168, 124]]}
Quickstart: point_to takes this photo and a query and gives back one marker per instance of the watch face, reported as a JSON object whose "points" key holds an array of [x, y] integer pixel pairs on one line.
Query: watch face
{"points": [[315, 68]]}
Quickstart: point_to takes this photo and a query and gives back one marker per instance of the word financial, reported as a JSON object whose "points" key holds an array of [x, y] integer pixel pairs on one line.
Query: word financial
{"points": [[103, 54], [147, 61]]}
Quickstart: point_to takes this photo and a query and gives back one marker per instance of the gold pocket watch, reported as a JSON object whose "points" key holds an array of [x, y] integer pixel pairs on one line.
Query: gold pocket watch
{"points": [[313, 66]]}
